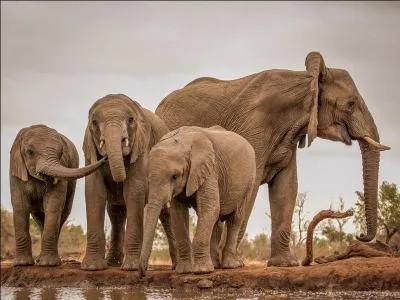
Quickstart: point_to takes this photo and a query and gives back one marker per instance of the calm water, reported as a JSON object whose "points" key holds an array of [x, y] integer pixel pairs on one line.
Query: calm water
{"points": [[142, 294]]}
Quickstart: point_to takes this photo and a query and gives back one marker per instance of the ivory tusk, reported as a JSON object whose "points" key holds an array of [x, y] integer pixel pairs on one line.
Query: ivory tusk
{"points": [[126, 142], [375, 144], [101, 144], [55, 181], [168, 204]]}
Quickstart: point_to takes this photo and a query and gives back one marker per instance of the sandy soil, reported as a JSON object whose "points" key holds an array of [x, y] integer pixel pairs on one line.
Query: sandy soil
{"points": [[362, 274]]}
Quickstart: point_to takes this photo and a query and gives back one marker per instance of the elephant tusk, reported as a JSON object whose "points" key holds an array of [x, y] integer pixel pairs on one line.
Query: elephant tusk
{"points": [[55, 181], [126, 142], [168, 204], [375, 144], [101, 144]]}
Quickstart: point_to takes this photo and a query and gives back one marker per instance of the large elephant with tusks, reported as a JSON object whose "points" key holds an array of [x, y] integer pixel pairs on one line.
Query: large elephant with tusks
{"points": [[275, 110]]}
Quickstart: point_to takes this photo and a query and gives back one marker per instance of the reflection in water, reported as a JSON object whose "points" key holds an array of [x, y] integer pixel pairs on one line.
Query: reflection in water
{"points": [[156, 294]]}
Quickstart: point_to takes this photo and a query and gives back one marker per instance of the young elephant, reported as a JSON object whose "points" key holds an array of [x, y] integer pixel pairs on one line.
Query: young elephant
{"points": [[211, 170], [43, 169], [124, 131]]}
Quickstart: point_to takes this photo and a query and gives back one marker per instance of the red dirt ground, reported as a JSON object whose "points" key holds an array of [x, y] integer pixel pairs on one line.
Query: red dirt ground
{"points": [[380, 273]]}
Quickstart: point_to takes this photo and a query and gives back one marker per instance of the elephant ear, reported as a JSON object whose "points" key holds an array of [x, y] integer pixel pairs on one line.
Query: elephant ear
{"points": [[315, 66], [142, 133], [66, 158], [89, 148], [202, 163], [17, 164]]}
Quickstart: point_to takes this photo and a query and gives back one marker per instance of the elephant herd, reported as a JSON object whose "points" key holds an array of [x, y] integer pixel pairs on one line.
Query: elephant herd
{"points": [[209, 146]]}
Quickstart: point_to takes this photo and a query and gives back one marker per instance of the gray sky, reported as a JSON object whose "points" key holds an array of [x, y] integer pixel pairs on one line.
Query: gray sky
{"points": [[57, 58]]}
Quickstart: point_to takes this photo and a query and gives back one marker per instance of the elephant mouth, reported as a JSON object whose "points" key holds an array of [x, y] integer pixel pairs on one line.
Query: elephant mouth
{"points": [[125, 147], [337, 132], [46, 178]]}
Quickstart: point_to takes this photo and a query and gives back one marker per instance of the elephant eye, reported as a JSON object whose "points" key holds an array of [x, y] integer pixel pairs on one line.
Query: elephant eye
{"points": [[174, 177], [130, 120], [30, 152], [94, 123]]}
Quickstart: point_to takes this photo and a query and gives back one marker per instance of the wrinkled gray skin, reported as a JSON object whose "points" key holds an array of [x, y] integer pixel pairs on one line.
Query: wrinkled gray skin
{"points": [[43, 173], [211, 170], [275, 110], [124, 131]]}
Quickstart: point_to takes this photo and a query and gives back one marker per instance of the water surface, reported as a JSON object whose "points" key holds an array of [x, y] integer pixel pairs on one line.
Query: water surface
{"points": [[153, 294]]}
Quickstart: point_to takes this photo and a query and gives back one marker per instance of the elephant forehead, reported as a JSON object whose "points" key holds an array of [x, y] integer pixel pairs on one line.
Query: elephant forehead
{"points": [[166, 153], [41, 136], [111, 111]]}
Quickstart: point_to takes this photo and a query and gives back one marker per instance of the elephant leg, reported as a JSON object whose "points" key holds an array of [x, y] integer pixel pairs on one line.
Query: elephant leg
{"points": [[230, 259], [180, 228], [214, 244], [165, 219], [68, 204], [53, 204], [134, 195], [95, 196], [207, 201], [23, 243], [282, 196], [248, 210], [117, 214]]}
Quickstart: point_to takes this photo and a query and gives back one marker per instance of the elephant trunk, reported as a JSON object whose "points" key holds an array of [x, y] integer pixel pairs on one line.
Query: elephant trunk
{"points": [[151, 217], [55, 169], [370, 162], [113, 143]]}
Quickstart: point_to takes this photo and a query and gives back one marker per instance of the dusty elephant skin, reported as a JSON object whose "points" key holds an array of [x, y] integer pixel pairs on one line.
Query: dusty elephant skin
{"points": [[43, 172], [213, 171], [355, 274], [124, 131], [275, 110]]}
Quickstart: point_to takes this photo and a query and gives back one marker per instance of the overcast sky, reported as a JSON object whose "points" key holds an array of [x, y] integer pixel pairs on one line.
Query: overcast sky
{"points": [[57, 58]]}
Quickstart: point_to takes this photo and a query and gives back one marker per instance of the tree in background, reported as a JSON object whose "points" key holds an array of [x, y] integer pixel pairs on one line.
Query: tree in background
{"points": [[388, 210], [7, 234], [299, 223], [333, 233], [256, 249]]}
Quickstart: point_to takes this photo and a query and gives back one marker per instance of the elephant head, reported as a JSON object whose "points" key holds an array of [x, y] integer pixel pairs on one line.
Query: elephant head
{"points": [[117, 128], [178, 164], [41, 152], [339, 113]]}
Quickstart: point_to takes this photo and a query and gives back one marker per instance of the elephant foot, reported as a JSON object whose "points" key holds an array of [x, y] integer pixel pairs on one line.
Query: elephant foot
{"points": [[114, 259], [231, 261], [287, 260], [183, 267], [93, 263], [23, 260], [48, 260], [131, 263], [203, 265]]}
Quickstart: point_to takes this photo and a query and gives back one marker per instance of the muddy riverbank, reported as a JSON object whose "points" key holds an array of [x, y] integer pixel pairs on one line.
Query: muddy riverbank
{"points": [[357, 274]]}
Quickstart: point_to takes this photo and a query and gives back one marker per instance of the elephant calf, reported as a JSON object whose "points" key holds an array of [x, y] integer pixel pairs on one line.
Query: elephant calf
{"points": [[213, 171], [43, 170]]}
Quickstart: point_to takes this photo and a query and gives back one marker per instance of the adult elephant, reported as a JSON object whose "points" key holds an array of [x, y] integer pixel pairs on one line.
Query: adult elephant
{"points": [[275, 110], [123, 130], [43, 172]]}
